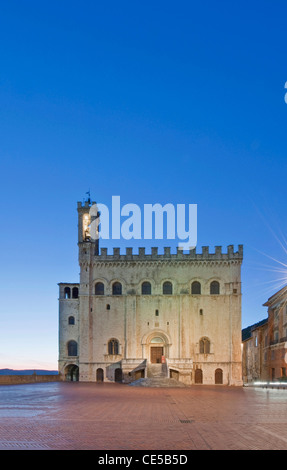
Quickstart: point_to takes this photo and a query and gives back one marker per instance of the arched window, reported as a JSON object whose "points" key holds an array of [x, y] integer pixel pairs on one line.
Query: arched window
{"points": [[71, 320], [157, 339], [117, 288], [167, 288], [67, 293], [204, 346], [99, 288], [196, 288], [214, 288], [113, 346], [75, 293], [146, 288], [72, 348]]}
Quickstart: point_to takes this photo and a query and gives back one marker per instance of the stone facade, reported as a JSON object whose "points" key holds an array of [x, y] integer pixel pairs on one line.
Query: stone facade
{"points": [[277, 335], [132, 310], [254, 358]]}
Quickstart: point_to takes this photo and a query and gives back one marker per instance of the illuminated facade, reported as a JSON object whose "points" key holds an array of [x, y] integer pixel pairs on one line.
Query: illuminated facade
{"points": [[136, 313]]}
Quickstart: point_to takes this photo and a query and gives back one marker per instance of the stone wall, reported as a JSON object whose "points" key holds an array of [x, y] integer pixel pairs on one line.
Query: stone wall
{"points": [[27, 379]]}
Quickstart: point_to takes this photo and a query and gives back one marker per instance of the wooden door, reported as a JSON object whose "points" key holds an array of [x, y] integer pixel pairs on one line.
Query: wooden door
{"points": [[156, 354], [100, 375], [218, 376], [198, 376]]}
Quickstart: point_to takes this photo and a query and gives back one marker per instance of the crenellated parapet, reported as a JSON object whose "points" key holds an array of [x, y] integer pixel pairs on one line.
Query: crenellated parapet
{"points": [[141, 254], [88, 252]]}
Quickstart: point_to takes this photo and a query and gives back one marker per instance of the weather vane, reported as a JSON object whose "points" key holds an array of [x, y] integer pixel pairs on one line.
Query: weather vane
{"points": [[89, 196]]}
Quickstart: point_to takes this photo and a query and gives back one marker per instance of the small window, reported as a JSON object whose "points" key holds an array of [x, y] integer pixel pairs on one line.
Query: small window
{"points": [[67, 293], [196, 288], [75, 293], [167, 288], [113, 347], [99, 288], [146, 288], [214, 288], [117, 288], [204, 346], [72, 348], [71, 320]]}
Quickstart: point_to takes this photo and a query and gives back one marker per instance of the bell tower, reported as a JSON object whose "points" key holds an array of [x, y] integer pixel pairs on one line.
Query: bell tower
{"points": [[88, 225], [88, 243]]}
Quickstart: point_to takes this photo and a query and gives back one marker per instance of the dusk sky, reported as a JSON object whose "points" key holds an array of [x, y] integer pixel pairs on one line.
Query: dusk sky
{"points": [[155, 102]]}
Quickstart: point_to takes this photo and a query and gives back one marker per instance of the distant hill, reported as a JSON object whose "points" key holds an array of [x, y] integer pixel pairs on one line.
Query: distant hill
{"points": [[28, 372]]}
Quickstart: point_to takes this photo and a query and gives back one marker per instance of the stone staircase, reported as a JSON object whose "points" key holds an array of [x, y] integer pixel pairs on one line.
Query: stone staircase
{"points": [[157, 371], [157, 377]]}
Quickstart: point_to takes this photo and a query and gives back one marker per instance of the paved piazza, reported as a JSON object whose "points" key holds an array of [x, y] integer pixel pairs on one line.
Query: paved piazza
{"points": [[88, 416]]}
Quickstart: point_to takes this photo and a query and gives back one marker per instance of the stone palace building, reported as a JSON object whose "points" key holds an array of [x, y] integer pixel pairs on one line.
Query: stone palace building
{"points": [[132, 313]]}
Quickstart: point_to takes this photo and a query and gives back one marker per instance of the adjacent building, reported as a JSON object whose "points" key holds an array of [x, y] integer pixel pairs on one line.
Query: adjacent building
{"points": [[265, 343], [255, 352]]}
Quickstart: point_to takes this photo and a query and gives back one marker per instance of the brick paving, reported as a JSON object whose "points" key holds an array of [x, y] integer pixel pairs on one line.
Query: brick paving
{"points": [[89, 416]]}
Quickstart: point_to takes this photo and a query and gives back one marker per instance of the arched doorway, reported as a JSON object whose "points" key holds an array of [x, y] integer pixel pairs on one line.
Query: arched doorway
{"points": [[100, 375], [218, 377], [198, 376], [155, 339], [72, 373], [118, 375], [157, 344]]}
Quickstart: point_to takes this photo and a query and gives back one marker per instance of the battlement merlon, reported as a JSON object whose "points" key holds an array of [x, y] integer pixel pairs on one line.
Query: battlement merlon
{"points": [[205, 254]]}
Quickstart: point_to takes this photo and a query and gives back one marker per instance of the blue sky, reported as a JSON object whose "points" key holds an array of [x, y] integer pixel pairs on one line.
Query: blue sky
{"points": [[156, 102]]}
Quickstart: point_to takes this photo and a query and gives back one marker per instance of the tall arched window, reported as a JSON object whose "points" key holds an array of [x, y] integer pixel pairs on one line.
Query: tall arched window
{"points": [[99, 288], [67, 293], [72, 348], [113, 346], [204, 346], [196, 288], [146, 288], [167, 288], [71, 320], [117, 288], [214, 288], [75, 293]]}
